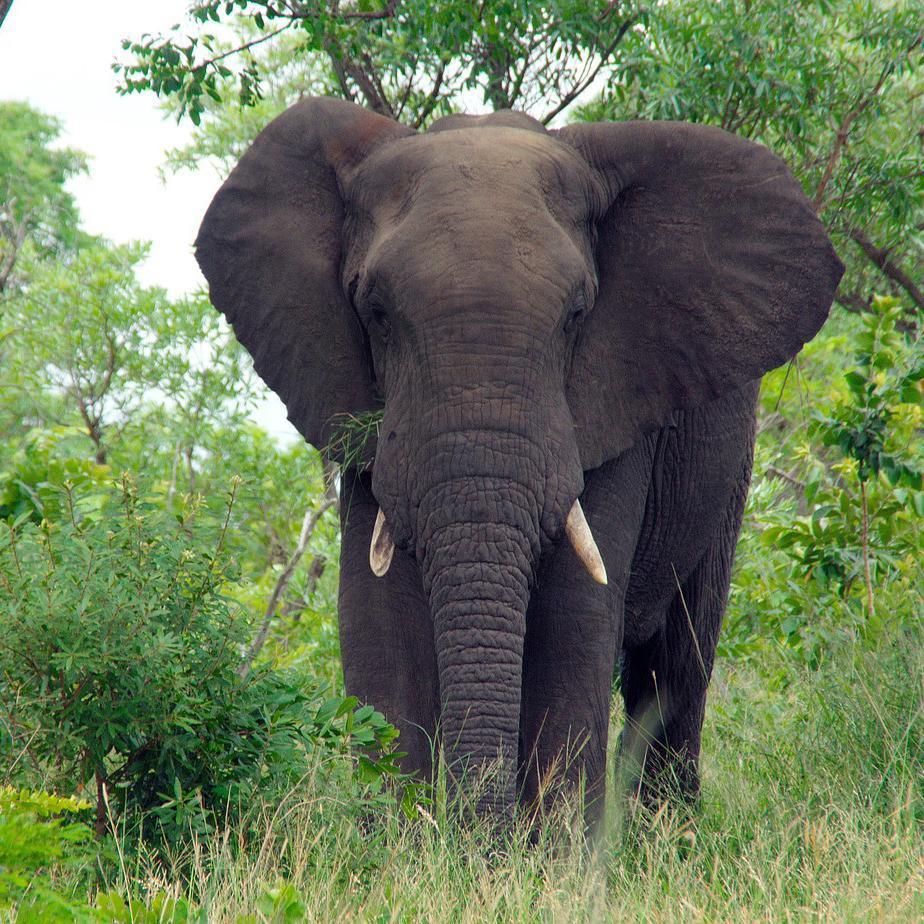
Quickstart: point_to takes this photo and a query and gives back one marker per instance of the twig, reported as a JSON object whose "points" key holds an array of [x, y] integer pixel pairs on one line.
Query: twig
{"points": [[246, 46], [432, 97], [294, 12], [786, 476], [880, 256], [843, 130], [852, 301], [312, 517], [582, 85]]}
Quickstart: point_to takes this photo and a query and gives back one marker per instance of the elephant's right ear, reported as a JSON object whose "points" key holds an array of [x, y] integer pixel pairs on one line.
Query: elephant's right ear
{"points": [[270, 248]]}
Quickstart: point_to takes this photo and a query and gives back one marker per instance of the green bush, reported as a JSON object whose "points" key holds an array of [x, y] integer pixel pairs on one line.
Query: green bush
{"points": [[32, 477], [35, 840], [120, 671], [832, 534]]}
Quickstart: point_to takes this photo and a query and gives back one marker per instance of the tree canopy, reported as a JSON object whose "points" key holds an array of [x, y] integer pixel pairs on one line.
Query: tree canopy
{"points": [[833, 86], [410, 60], [35, 207]]}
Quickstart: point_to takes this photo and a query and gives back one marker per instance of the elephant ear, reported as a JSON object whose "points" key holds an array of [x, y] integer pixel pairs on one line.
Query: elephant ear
{"points": [[270, 248], [713, 268]]}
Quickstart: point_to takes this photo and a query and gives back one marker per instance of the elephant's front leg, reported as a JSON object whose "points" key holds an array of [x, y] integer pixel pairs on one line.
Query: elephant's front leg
{"points": [[386, 632], [573, 631]]}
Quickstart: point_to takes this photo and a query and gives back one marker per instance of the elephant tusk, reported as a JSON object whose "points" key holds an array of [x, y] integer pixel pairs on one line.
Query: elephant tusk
{"points": [[582, 541], [382, 547]]}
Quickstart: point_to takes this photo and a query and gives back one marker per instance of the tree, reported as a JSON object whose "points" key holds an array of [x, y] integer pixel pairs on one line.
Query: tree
{"points": [[83, 330], [831, 86], [411, 60], [35, 207], [834, 88], [90, 346]]}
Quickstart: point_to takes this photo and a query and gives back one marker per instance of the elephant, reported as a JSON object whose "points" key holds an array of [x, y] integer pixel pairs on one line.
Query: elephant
{"points": [[563, 332]]}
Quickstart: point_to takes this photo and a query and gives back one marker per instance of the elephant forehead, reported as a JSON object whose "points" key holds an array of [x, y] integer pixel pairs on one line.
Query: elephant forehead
{"points": [[499, 168]]}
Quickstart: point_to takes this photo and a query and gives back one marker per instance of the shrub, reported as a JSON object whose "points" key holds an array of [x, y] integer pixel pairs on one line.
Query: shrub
{"points": [[832, 531], [120, 670], [34, 840]]}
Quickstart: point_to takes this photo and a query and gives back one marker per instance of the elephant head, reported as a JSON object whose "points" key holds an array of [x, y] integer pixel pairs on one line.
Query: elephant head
{"points": [[523, 304]]}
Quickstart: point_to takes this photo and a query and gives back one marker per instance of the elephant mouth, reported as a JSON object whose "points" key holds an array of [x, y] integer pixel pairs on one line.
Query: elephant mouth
{"points": [[382, 546]]}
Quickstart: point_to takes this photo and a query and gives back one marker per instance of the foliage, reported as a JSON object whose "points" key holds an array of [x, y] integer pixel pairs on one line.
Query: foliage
{"points": [[124, 612], [118, 670], [88, 344], [34, 838], [834, 88], [408, 60], [834, 514], [352, 435], [35, 207], [876, 425], [812, 809], [35, 473], [226, 128]]}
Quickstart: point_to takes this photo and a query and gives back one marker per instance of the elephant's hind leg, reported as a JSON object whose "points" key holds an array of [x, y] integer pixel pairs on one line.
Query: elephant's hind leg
{"points": [[665, 679]]}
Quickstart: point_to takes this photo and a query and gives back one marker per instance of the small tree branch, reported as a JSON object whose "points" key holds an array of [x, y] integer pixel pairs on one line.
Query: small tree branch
{"points": [[17, 237], [315, 571], [582, 85], [246, 46], [310, 521], [375, 98], [852, 301], [785, 476], [341, 75], [296, 11], [408, 87], [880, 257], [432, 97], [91, 420], [843, 130]]}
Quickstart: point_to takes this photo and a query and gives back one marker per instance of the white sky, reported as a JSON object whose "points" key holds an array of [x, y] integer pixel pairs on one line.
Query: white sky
{"points": [[57, 56]]}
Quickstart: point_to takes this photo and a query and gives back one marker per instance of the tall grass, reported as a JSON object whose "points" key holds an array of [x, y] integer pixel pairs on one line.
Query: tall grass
{"points": [[812, 809]]}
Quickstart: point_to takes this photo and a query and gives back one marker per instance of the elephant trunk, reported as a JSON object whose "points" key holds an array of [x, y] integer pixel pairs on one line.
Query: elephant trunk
{"points": [[478, 541]]}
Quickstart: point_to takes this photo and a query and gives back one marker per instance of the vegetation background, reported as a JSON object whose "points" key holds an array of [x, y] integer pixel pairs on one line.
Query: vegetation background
{"points": [[175, 742]]}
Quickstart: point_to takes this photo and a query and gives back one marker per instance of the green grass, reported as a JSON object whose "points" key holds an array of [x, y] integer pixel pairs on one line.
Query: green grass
{"points": [[812, 809]]}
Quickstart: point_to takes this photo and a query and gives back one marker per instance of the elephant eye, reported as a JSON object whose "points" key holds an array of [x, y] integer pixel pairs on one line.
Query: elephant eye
{"points": [[575, 316], [576, 312], [379, 317]]}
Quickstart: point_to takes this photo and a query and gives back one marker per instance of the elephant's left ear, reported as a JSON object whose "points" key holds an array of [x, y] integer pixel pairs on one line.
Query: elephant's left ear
{"points": [[713, 268]]}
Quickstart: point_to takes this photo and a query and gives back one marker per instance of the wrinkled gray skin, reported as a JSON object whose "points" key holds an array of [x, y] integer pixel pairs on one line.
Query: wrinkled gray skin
{"points": [[544, 316]]}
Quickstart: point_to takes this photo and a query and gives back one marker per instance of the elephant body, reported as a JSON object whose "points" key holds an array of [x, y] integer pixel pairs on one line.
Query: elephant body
{"points": [[563, 332], [665, 515]]}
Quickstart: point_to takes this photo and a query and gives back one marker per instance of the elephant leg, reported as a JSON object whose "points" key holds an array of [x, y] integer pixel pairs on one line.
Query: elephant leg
{"points": [[665, 679], [571, 637], [573, 631], [386, 632]]}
